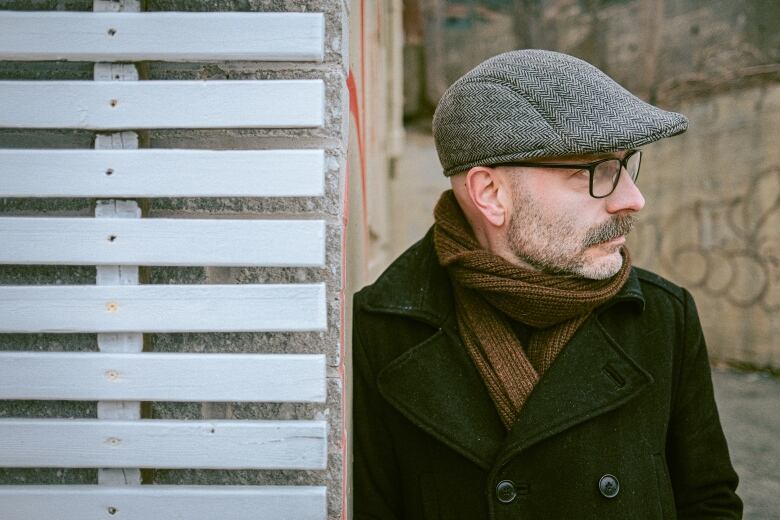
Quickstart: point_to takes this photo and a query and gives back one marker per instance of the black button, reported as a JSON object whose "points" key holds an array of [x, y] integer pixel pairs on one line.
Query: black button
{"points": [[609, 486], [505, 491]]}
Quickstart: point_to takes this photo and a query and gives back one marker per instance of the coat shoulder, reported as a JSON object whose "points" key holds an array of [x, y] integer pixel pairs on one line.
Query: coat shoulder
{"points": [[655, 286], [398, 274], [414, 286]]}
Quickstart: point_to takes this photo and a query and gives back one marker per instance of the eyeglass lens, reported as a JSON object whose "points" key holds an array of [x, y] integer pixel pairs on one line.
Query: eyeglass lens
{"points": [[607, 173]]}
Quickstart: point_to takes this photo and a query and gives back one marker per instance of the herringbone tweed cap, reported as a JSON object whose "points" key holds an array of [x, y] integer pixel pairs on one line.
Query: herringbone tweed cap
{"points": [[532, 103]]}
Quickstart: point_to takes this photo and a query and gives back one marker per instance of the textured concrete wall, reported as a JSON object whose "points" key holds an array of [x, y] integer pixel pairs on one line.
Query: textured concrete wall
{"points": [[712, 194], [332, 137], [446, 38], [712, 221], [376, 133]]}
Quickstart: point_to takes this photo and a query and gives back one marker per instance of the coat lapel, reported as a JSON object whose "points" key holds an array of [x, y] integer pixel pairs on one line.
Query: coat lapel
{"points": [[436, 386], [591, 376]]}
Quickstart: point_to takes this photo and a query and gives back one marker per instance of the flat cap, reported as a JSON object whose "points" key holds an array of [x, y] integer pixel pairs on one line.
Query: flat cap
{"points": [[532, 103]]}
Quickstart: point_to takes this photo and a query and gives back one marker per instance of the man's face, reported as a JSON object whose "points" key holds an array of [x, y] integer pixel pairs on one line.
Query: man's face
{"points": [[557, 227]]}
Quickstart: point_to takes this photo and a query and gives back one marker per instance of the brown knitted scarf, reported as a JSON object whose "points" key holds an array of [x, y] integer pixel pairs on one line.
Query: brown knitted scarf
{"points": [[490, 291]]}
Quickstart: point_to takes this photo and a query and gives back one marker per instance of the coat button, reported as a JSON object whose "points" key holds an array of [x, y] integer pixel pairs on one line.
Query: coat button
{"points": [[505, 491], [609, 486]]}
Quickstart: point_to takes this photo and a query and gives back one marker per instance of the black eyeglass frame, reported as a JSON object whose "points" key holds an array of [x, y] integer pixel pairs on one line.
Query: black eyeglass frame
{"points": [[591, 167]]}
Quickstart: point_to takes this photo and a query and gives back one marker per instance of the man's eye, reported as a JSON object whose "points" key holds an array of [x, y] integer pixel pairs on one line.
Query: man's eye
{"points": [[581, 173]]}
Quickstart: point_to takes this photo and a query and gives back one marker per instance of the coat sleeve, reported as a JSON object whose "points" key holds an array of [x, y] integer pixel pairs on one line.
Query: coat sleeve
{"points": [[703, 478], [376, 481]]}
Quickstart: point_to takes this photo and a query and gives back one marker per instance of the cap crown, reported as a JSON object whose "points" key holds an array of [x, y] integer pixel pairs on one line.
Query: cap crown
{"points": [[534, 103]]}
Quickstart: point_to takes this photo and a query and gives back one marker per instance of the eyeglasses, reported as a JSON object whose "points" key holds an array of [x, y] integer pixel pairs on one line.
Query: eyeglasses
{"points": [[604, 174]]}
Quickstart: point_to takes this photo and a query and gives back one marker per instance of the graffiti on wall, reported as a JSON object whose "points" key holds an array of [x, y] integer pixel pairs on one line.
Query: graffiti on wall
{"points": [[728, 247]]}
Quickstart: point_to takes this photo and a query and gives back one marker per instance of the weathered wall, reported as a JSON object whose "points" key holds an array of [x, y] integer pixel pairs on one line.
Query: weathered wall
{"points": [[332, 137], [375, 141], [443, 39], [376, 132], [711, 220]]}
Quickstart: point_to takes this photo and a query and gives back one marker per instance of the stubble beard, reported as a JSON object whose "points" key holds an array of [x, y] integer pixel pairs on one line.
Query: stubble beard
{"points": [[557, 246]]}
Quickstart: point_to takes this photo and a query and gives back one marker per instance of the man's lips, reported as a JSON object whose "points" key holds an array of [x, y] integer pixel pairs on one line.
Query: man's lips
{"points": [[618, 241]]}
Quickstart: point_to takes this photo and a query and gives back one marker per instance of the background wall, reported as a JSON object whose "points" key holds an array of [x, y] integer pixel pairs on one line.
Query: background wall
{"points": [[713, 194], [376, 139]]}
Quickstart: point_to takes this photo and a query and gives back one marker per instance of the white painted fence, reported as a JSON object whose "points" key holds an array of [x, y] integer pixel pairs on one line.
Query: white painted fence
{"points": [[163, 502], [104, 105], [162, 308], [84, 443], [161, 241], [161, 173], [81, 36], [93, 376], [118, 241]]}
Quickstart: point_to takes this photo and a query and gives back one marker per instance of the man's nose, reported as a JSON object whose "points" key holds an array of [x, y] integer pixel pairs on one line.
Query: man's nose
{"points": [[626, 196]]}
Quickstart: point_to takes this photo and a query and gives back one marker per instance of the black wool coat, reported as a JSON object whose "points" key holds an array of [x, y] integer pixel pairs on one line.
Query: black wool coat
{"points": [[622, 426]]}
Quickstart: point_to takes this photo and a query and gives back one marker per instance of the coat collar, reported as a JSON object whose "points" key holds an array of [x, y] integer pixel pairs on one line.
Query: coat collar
{"points": [[436, 385], [415, 285]]}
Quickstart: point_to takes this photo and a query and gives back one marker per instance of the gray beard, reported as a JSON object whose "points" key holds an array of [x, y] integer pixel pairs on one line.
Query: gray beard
{"points": [[615, 227]]}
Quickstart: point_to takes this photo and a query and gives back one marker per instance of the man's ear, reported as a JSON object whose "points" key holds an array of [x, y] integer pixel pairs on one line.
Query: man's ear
{"points": [[488, 194]]}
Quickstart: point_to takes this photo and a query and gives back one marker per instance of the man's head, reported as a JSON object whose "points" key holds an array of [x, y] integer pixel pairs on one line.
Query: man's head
{"points": [[541, 151], [545, 218]]}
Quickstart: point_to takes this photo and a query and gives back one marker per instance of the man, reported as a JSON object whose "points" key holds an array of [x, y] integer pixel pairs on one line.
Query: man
{"points": [[513, 364]]}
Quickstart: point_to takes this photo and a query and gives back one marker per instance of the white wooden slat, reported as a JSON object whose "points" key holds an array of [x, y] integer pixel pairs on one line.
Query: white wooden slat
{"points": [[161, 241], [147, 443], [162, 308], [96, 105], [166, 36], [164, 502], [93, 376], [161, 173]]}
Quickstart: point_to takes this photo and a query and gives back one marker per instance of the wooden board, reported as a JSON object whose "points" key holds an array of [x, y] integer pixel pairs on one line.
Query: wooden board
{"points": [[161, 173], [96, 105], [163, 502], [92, 376], [166, 36], [162, 308], [161, 241], [94, 443]]}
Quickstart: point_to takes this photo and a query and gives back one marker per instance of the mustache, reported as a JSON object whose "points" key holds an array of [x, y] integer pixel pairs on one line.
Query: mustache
{"points": [[618, 225]]}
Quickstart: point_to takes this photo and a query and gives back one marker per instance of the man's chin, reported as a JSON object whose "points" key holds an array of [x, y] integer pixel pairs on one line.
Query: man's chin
{"points": [[603, 266]]}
